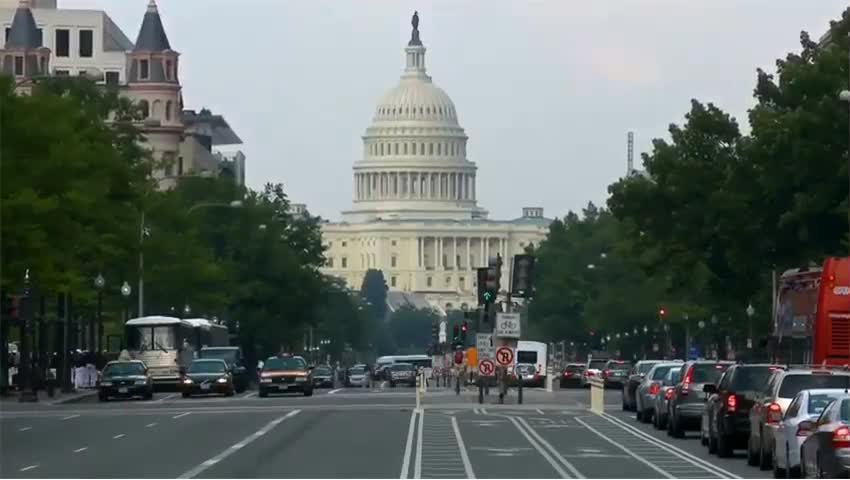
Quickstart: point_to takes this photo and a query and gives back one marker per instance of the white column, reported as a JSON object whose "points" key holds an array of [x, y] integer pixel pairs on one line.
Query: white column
{"points": [[436, 253], [420, 250], [455, 255], [468, 253], [473, 187]]}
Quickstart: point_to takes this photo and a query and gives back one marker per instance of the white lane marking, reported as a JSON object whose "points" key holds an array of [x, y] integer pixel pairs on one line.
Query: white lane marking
{"points": [[28, 467], [711, 468], [405, 463], [120, 435], [417, 466], [628, 452], [540, 450], [540, 411], [552, 449], [70, 417], [231, 450], [467, 465], [484, 411], [83, 449], [334, 391], [182, 415], [167, 397], [24, 429], [475, 410], [150, 425], [250, 394]]}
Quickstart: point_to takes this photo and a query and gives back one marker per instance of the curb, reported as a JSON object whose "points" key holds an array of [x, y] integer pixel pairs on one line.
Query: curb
{"points": [[74, 398]]}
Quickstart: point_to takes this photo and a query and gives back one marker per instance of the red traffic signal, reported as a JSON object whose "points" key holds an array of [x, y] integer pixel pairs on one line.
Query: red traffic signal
{"points": [[463, 327], [662, 312]]}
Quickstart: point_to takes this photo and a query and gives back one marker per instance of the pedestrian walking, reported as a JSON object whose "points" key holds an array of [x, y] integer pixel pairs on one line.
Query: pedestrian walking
{"points": [[79, 370], [185, 356]]}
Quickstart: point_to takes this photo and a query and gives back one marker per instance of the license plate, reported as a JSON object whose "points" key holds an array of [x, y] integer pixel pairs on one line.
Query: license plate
{"points": [[205, 386], [122, 390], [282, 387]]}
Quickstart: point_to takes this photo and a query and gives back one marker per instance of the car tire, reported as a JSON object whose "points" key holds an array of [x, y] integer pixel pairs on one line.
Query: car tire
{"points": [[149, 395], [102, 398], [777, 472], [724, 447], [186, 395], [764, 458], [654, 420], [638, 415], [308, 392], [676, 428], [262, 393], [712, 443], [648, 416]]}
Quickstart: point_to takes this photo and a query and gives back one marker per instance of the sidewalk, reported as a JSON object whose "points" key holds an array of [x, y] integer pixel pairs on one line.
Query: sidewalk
{"points": [[57, 399]]}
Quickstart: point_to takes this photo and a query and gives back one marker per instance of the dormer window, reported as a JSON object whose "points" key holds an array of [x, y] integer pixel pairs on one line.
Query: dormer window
{"points": [[144, 69], [19, 66], [169, 70]]}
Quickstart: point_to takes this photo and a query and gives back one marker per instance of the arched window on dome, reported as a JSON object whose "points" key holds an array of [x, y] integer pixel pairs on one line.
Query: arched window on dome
{"points": [[430, 149], [396, 148], [407, 110], [422, 149], [405, 148], [439, 149], [427, 110], [453, 148], [413, 148], [382, 149]]}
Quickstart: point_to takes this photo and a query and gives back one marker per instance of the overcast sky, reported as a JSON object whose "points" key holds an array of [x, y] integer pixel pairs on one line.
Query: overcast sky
{"points": [[546, 90]]}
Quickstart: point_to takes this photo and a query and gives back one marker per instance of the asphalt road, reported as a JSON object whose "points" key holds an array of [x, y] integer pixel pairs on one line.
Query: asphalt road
{"points": [[348, 433]]}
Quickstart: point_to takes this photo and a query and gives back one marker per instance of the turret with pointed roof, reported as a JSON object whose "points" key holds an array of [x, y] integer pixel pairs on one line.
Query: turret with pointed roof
{"points": [[23, 56], [153, 83]]}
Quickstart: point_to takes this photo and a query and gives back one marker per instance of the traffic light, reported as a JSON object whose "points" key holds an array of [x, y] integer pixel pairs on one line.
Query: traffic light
{"points": [[455, 335], [482, 285], [493, 280], [10, 307], [523, 276], [463, 329], [435, 332], [661, 313]]}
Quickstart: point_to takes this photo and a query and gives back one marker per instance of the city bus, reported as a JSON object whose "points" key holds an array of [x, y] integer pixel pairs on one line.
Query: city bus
{"points": [[812, 314]]}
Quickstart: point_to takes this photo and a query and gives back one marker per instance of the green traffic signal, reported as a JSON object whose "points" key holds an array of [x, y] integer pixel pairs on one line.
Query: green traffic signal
{"points": [[488, 296]]}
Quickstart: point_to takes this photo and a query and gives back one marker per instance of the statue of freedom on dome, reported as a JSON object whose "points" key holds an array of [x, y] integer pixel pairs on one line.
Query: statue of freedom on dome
{"points": [[414, 36]]}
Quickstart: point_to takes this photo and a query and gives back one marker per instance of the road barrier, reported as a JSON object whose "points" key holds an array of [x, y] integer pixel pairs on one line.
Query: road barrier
{"points": [[550, 378], [597, 395]]}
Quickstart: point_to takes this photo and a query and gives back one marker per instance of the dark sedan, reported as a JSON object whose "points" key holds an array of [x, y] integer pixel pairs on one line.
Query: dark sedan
{"points": [[125, 379], [207, 376], [235, 362], [323, 377]]}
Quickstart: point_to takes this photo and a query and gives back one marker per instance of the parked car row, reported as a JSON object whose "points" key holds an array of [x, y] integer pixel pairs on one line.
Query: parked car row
{"points": [[794, 420], [614, 373]]}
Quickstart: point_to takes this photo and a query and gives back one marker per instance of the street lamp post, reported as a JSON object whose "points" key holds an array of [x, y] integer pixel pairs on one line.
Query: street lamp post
{"points": [[28, 393], [126, 291], [143, 233], [750, 312], [99, 283]]}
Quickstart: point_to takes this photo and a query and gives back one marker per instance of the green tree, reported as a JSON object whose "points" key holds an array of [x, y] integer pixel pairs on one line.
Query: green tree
{"points": [[411, 329]]}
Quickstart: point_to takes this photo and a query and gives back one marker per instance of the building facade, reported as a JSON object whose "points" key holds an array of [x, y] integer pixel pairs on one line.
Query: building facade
{"points": [[42, 39], [415, 214]]}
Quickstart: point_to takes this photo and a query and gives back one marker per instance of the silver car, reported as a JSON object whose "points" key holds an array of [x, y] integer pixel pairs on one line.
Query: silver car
{"points": [[648, 389], [661, 408], [826, 451], [793, 430], [358, 376]]}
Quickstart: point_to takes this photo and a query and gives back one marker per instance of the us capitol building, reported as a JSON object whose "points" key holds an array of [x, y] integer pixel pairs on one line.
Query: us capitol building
{"points": [[415, 214]]}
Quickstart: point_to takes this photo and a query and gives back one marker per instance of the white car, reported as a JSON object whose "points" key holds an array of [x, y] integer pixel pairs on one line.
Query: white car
{"points": [[788, 438]]}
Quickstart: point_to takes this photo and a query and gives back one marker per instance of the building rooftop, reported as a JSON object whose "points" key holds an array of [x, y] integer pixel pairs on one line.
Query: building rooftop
{"points": [[213, 125]]}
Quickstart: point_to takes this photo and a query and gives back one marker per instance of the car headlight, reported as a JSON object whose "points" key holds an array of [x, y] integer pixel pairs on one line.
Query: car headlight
{"points": [[187, 380], [141, 382], [300, 379], [105, 384], [265, 380], [222, 380]]}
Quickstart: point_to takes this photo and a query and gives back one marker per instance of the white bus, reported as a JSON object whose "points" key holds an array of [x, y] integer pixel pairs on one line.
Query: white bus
{"points": [[157, 340], [531, 362], [418, 361]]}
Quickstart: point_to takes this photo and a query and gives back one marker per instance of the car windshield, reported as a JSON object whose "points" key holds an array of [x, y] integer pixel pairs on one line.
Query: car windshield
{"points": [[707, 372], [673, 377], [795, 383], [402, 367], [121, 369], [207, 367], [661, 372], [358, 371], [819, 401], [526, 357], [750, 377], [644, 368], [598, 364], [322, 371], [285, 363], [227, 354], [574, 368], [844, 413]]}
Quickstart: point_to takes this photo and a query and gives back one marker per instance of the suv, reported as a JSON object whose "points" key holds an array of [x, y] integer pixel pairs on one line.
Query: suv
{"points": [[615, 373], [402, 373], [688, 400], [771, 403], [725, 420], [636, 374], [593, 368]]}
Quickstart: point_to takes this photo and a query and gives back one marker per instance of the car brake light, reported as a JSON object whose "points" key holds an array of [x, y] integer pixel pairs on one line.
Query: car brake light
{"points": [[588, 373], [841, 437], [731, 403], [774, 413], [668, 393], [686, 383], [653, 389], [606, 372]]}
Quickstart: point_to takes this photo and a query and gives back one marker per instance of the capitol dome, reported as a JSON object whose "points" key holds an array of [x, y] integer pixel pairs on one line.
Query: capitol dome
{"points": [[414, 163]]}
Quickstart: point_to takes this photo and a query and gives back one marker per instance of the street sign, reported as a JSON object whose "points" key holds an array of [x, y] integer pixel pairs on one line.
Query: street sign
{"points": [[507, 325], [442, 335], [486, 368], [505, 356], [484, 345]]}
